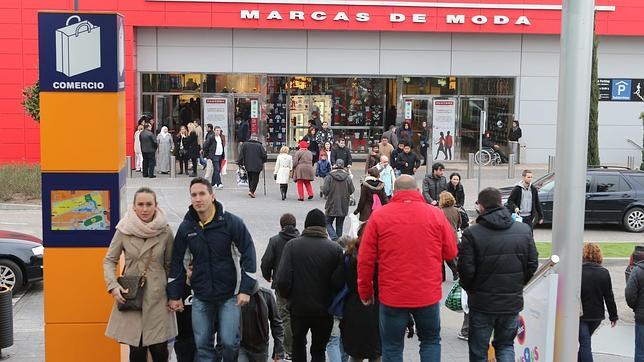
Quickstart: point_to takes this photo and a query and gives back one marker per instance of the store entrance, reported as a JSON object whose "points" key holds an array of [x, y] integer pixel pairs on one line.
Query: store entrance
{"points": [[301, 114], [471, 112]]}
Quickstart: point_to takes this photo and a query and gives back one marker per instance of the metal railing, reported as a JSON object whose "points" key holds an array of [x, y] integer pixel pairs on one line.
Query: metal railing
{"points": [[543, 271]]}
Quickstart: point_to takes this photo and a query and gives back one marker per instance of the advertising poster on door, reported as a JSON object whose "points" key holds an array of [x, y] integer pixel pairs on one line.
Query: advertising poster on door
{"points": [[216, 113], [443, 125], [536, 333]]}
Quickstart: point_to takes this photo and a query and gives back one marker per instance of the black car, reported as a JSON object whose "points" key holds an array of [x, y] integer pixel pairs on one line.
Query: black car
{"points": [[20, 259], [613, 196]]}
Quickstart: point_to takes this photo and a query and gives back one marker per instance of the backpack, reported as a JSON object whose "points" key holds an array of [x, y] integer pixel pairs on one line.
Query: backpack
{"points": [[254, 329], [376, 202]]}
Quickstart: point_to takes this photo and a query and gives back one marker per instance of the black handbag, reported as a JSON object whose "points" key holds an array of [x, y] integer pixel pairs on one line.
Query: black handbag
{"points": [[135, 286]]}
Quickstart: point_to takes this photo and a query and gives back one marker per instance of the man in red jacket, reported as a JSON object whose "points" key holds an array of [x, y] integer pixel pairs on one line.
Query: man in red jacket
{"points": [[408, 239]]}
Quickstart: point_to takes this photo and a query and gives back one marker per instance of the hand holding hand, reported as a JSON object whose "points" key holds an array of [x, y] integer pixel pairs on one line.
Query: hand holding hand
{"points": [[242, 299], [117, 293], [175, 305], [540, 221]]}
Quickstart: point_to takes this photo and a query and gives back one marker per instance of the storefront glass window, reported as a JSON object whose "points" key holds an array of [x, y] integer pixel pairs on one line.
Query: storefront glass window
{"points": [[486, 86], [430, 85]]}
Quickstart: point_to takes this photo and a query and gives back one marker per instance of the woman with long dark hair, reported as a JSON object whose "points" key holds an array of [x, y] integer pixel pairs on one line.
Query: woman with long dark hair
{"points": [[311, 138]]}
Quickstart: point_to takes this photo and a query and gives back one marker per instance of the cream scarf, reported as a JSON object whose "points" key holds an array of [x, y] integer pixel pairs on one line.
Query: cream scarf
{"points": [[130, 224]]}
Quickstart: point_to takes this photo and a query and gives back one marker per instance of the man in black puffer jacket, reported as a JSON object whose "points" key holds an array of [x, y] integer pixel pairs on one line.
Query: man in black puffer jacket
{"points": [[635, 299], [496, 258]]}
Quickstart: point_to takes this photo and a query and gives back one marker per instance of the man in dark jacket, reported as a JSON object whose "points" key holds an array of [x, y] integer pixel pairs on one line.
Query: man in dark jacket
{"points": [[343, 153], [148, 149], [270, 264], [524, 200], [496, 258], [407, 161], [252, 156], [308, 278], [338, 188], [257, 317], [223, 271], [635, 299], [215, 150], [434, 184]]}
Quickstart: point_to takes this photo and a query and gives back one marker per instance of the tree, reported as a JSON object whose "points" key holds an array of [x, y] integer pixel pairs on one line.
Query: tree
{"points": [[31, 103], [593, 141]]}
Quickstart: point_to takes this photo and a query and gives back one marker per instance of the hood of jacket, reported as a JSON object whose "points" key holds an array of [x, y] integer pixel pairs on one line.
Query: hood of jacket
{"points": [[289, 232], [373, 183], [497, 219], [640, 264], [339, 175]]}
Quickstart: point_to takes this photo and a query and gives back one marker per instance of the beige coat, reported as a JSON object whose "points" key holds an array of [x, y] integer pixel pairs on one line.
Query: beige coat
{"points": [[155, 323], [283, 168], [303, 165]]}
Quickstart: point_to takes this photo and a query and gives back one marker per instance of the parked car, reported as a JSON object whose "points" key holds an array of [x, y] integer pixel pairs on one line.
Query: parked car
{"points": [[21, 258], [613, 196], [636, 257]]}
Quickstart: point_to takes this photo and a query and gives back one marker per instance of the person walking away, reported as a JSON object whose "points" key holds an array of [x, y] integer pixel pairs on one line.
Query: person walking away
{"points": [[409, 258], [311, 139], [524, 200], [434, 184], [200, 140], [181, 149], [257, 317], [455, 187], [222, 281], [424, 142], [303, 172], [449, 142], [359, 326], [315, 120], [446, 204], [373, 158], [215, 150], [496, 258], [270, 266], [243, 133], [307, 278], [338, 187], [342, 152], [192, 146], [634, 295], [145, 239], [407, 161], [322, 168], [283, 169], [138, 154], [252, 157], [596, 289], [385, 148], [164, 140], [387, 176], [148, 149], [372, 195]]}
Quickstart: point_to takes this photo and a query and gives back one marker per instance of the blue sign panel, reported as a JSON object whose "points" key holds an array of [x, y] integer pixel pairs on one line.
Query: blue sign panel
{"points": [[77, 52], [621, 89]]}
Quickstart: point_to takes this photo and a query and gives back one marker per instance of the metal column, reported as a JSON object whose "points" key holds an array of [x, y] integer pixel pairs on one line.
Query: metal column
{"points": [[572, 141]]}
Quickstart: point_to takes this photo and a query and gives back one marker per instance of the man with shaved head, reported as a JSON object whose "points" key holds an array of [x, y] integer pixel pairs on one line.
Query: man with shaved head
{"points": [[409, 252]]}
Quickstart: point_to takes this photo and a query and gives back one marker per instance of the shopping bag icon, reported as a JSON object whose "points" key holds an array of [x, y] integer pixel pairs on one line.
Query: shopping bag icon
{"points": [[78, 47]]}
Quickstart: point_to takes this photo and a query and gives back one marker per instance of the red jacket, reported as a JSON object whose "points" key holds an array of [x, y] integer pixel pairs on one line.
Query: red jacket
{"points": [[408, 239]]}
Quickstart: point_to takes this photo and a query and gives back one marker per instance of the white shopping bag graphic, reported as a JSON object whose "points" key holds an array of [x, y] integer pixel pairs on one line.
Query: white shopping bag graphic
{"points": [[78, 47]]}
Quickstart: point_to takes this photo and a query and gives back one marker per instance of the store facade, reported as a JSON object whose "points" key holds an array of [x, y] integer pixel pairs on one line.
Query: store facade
{"points": [[362, 66]]}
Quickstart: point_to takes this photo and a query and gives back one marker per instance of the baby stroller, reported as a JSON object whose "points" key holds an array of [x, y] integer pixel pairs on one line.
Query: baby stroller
{"points": [[242, 176]]}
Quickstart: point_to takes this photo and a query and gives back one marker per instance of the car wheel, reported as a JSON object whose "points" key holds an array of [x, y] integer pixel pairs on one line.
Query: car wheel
{"points": [[10, 275], [634, 220]]}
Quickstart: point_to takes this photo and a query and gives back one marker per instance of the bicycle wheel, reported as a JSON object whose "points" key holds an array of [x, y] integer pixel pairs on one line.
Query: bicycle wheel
{"points": [[483, 157]]}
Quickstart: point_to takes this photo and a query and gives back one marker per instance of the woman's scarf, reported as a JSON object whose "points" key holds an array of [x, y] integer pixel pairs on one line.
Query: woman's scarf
{"points": [[130, 224], [164, 133]]}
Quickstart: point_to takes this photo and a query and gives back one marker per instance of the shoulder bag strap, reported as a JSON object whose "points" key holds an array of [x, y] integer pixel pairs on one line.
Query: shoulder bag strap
{"points": [[147, 263]]}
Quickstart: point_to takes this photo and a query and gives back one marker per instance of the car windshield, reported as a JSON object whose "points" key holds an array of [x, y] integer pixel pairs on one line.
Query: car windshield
{"points": [[540, 182]]}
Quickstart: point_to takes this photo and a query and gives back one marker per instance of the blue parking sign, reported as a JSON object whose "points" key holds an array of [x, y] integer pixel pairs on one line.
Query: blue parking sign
{"points": [[621, 90]]}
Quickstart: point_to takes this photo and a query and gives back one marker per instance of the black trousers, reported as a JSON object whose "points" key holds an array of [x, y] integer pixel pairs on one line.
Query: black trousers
{"points": [[149, 162], [158, 351], [253, 180], [529, 220], [320, 332], [183, 164]]}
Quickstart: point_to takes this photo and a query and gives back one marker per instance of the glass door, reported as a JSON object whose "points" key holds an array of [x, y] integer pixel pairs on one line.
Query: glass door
{"points": [[472, 112]]}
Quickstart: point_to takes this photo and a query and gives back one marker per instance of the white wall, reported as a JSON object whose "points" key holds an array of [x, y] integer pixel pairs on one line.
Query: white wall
{"points": [[533, 59]]}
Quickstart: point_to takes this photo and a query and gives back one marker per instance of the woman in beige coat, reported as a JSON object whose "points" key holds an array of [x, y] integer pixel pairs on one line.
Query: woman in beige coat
{"points": [[143, 233]]}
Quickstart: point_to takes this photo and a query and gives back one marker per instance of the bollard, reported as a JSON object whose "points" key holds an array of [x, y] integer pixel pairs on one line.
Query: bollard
{"points": [[128, 162], [512, 165], [470, 165], [173, 166], [6, 318], [630, 162], [551, 164]]}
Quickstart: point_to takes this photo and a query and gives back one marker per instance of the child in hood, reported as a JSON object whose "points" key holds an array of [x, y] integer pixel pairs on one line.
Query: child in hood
{"points": [[322, 168]]}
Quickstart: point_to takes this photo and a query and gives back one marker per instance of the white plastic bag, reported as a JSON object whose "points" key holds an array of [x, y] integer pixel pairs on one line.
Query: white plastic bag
{"points": [[355, 225]]}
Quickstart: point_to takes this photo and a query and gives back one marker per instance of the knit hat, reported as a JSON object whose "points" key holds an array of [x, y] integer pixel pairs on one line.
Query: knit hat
{"points": [[315, 217], [304, 144], [339, 163]]}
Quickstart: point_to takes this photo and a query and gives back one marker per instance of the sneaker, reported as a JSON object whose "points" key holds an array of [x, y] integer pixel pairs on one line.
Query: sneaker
{"points": [[220, 186], [461, 336], [287, 357]]}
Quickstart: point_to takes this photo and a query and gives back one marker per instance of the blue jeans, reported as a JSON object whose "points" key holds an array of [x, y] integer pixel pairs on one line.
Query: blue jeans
{"points": [[339, 225], [481, 327], [216, 170], [334, 349], [227, 315], [639, 341], [393, 324], [586, 330]]}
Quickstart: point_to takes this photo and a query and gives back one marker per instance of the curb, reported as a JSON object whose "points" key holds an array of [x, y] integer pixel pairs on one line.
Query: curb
{"points": [[4, 206]]}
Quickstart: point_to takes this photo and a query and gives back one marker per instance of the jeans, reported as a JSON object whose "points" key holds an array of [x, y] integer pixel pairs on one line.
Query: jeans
{"points": [[320, 327], [393, 325], [216, 170], [149, 161], [481, 327], [253, 180], [285, 315], [639, 341], [339, 225], [248, 356], [334, 348], [586, 330], [227, 315]]}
